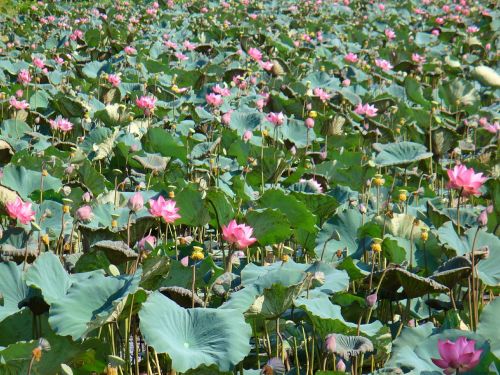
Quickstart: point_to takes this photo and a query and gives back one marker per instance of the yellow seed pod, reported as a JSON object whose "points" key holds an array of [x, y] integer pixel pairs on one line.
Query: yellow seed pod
{"points": [[424, 236], [45, 239], [285, 258], [378, 180], [376, 247], [45, 173], [37, 353], [114, 223], [322, 68], [67, 247], [171, 194], [398, 130], [197, 255], [313, 114], [66, 209], [265, 133], [403, 195]]}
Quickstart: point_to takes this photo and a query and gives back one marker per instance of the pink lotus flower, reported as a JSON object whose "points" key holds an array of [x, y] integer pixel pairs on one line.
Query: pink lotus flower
{"points": [[135, 202], [458, 356], [418, 59], [383, 64], [322, 94], [188, 45], [435, 32], [313, 182], [214, 99], [164, 208], [147, 243], [492, 128], [247, 136], [440, 20], [238, 234], [61, 124], [84, 213], [390, 34], [309, 123], [24, 77], [255, 54], [346, 82], [114, 80], [223, 91], [180, 56], [146, 103], [38, 62], [366, 110], [266, 65], [276, 118], [20, 210], [226, 117], [18, 104], [330, 343], [472, 29], [129, 50], [465, 180], [351, 57]]}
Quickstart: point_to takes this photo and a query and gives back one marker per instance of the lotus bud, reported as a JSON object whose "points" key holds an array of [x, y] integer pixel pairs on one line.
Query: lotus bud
{"points": [[66, 190], [135, 202], [86, 197], [371, 300], [84, 213], [185, 261], [341, 366], [331, 343], [362, 209], [482, 219], [69, 169], [309, 122]]}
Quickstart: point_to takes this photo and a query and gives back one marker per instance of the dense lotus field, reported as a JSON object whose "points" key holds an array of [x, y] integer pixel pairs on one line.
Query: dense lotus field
{"points": [[249, 187]]}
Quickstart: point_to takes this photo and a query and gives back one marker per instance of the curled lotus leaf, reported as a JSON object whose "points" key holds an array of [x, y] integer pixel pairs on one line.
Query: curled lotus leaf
{"points": [[352, 346]]}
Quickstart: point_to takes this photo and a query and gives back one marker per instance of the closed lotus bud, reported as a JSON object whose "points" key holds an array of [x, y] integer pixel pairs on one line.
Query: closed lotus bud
{"points": [[331, 343], [371, 300], [341, 366], [135, 202], [309, 122], [86, 197], [362, 209]]}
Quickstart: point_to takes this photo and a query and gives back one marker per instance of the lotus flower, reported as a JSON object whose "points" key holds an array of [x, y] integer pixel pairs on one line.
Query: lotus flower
{"points": [[322, 94], [465, 180], [247, 135], [383, 64], [214, 99], [84, 213], [147, 243], [390, 34], [416, 58], [24, 77], [129, 50], [276, 118], [135, 202], [239, 234], [165, 209], [351, 57], [330, 343], [61, 124], [458, 356], [366, 109], [20, 210], [18, 104], [255, 54], [114, 79], [147, 103]]}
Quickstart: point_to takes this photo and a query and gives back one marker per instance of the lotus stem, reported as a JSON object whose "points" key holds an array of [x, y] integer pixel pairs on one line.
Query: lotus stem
{"points": [[193, 285]]}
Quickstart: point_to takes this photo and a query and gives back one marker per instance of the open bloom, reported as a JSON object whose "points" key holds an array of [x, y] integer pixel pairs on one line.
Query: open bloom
{"points": [[276, 118], [459, 355], [129, 50], [418, 59], [114, 79], [61, 124], [351, 57], [147, 243], [383, 64], [223, 91], [24, 77], [38, 62], [390, 34], [147, 103], [84, 213], [322, 94], [18, 104], [238, 234], [366, 109], [164, 208], [255, 54], [465, 180], [214, 99], [20, 210]]}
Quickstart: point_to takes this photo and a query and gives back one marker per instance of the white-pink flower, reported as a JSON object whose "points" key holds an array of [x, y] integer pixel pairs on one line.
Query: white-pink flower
{"points": [[266, 65], [351, 57], [255, 54], [418, 59], [322, 94], [366, 110], [114, 80], [276, 118], [383, 64], [129, 50], [61, 124], [146, 103], [214, 99], [223, 91], [24, 77], [390, 34], [18, 104]]}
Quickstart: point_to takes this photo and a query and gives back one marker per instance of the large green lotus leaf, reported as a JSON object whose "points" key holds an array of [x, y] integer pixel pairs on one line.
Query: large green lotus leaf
{"points": [[453, 271], [340, 233], [400, 153], [488, 323], [295, 131], [52, 224], [48, 275], [402, 225], [193, 209], [90, 303], [321, 205], [327, 318], [194, 337], [245, 120], [98, 145], [487, 269], [460, 95], [219, 206], [468, 216], [25, 181], [94, 69], [296, 212], [162, 141], [399, 283], [486, 76], [15, 242], [12, 288], [414, 348], [415, 92], [270, 226]]}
